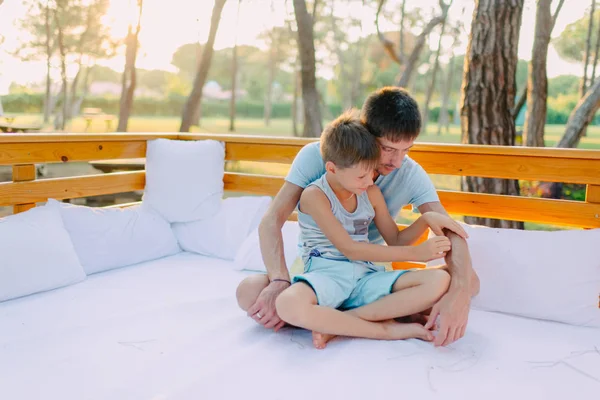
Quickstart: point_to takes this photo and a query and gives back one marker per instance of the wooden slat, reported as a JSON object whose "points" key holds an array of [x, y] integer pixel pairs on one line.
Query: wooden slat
{"points": [[82, 137], [254, 184], [557, 212], [23, 173], [592, 194], [265, 152], [69, 188], [53, 152], [550, 169]]}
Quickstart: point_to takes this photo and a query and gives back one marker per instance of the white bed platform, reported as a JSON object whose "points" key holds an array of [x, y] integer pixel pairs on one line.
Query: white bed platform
{"points": [[171, 329]]}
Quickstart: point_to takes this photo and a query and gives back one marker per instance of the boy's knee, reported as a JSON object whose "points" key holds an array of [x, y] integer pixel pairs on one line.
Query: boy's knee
{"points": [[249, 289], [284, 305], [441, 280]]}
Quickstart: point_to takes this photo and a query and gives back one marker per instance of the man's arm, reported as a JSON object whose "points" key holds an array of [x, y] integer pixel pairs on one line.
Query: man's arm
{"points": [[453, 307], [271, 247]]}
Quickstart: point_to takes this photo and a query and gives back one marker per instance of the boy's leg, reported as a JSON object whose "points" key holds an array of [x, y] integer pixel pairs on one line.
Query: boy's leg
{"points": [[298, 306], [411, 292]]}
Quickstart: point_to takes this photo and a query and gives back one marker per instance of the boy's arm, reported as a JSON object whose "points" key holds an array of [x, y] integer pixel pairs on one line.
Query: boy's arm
{"points": [[387, 226], [315, 203]]}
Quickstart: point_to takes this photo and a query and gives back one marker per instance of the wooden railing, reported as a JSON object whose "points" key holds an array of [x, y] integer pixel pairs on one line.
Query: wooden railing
{"points": [[23, 151]]}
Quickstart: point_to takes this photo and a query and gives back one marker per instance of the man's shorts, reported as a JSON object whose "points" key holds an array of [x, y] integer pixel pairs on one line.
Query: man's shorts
{"points": [[346, 285]]}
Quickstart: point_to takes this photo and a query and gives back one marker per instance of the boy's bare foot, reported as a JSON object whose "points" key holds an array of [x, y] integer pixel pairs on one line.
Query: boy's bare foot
{"points": [[397, 331], [320, 340]]}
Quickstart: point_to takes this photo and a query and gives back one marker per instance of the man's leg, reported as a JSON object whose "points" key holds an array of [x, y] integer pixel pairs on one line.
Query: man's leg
{"points": [[248, 290]]}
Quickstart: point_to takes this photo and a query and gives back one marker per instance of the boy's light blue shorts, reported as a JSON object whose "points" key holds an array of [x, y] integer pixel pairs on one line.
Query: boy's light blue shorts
{"points": [[346, 285]]}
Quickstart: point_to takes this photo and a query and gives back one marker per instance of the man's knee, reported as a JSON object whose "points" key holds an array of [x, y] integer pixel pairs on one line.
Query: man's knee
{"points": [[248, 290]]}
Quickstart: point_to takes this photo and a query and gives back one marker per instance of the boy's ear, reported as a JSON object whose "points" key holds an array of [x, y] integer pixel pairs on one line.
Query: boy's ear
{"points": [[330, 167]]}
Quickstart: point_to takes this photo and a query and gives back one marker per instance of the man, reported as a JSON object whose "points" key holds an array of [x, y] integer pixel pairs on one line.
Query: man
{"points": [[393, 117]]}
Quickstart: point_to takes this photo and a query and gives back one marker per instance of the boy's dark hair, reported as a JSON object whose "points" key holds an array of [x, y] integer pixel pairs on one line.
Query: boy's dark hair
{"points": [[345, 142], [392, 113]]}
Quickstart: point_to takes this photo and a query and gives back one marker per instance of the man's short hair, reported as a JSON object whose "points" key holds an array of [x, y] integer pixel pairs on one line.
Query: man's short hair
{"points": [[346, 142], [392, 113]]}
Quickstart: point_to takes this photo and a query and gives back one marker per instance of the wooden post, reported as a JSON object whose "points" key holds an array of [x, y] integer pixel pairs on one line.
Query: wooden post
{"points": [[592, 194], [22, 173]]}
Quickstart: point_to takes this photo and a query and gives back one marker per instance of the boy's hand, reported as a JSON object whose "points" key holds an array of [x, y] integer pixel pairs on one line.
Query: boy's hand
{"points": [[437, 222], [432, 249]]}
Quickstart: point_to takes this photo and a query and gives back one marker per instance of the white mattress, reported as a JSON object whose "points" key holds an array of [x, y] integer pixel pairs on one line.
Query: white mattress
{"points": [[171, 329]]}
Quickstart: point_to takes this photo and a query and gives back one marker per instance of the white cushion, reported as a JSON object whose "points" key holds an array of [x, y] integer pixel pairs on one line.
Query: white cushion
{"points": [[222, 234], [184, 179], [108, 238], [36, 254], [249, 256], [549, 275]]}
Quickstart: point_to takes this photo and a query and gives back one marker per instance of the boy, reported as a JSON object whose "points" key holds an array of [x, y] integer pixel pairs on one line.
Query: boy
{"points": [[334, 214]]}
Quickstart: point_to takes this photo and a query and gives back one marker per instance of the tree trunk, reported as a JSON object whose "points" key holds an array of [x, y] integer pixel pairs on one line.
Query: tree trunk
{"points": [[72, 96], [306, 47], [520, 103], [195, 98], [588, 45], [234, 73], [63, 73], [488, 93], [411, 63], [444, 118], [537, 81], [47, 108], [76, 104], [270, 80], [129, 73], [234, 68], [295, 101], [430, 89], [580, 117], [595, 63]]}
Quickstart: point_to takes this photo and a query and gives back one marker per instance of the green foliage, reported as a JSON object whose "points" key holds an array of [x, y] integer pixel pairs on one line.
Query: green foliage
{"points": [[571, 43], [170, 106]]}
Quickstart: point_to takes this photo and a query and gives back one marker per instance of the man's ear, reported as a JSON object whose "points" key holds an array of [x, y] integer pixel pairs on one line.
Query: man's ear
{"points": [[330, 167]]}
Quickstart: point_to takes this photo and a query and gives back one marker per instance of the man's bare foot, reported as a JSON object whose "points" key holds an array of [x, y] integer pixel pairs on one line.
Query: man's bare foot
{"points": [[397, 331], [320, 340]]}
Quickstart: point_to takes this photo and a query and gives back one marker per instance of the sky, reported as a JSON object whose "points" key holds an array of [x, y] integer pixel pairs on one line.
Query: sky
{"points": [[168, 24]]}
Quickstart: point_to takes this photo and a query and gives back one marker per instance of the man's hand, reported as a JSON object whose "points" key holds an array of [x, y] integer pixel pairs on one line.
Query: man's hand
{"points": [[438, 222], [453, 312], [263, 310]]}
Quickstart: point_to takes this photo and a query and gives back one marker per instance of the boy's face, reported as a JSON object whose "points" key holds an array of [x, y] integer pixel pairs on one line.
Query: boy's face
{"points": [[355, 179], [392, 154]]}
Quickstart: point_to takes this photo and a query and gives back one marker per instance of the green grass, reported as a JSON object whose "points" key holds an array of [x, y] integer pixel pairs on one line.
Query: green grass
{"points": [[280, 127]]}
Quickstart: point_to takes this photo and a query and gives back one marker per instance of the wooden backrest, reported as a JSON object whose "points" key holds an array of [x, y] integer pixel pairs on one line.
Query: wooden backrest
{"points": [[23, 151]]}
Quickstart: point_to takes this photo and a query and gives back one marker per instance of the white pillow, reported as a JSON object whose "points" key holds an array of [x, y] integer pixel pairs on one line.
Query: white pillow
{"points": [[36, 254], [552, 275], [250, 258], [222, 234], [184, 179], [108, 238]]}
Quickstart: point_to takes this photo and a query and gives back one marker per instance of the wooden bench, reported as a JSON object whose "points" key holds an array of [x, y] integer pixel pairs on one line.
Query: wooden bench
{"points": [[96, 114], [11, 127], [580, 166]]}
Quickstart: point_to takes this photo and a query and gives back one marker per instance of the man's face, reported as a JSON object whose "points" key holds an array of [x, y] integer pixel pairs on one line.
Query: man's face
{"points": [[392, 154]]}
